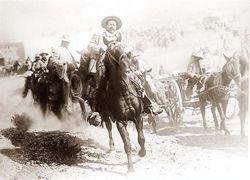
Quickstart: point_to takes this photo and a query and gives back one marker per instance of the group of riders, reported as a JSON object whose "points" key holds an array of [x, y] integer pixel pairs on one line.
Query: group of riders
{"points": [[63, 61]]}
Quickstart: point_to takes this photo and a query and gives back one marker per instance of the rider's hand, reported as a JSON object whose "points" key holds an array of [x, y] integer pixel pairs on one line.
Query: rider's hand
{"points": [[101, 50]]}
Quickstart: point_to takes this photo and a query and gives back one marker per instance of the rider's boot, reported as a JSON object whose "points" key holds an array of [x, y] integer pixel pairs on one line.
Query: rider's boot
{"points": [[94, 117], [148, 106]]}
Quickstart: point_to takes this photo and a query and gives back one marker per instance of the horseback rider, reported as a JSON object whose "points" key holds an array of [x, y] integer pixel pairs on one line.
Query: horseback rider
{"points": [[36, 67], [99, 43], [142, 71], [96, 49], [64, 62], [44, 57], [97, 46]]}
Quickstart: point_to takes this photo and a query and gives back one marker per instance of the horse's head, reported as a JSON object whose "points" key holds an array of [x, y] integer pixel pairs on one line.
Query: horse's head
{"points": [[232, 70], [118, 57]]}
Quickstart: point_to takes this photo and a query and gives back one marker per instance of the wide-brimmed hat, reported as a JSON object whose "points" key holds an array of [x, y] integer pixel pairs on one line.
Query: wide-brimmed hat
{"points": [[198, 55], [112, 18], [65, 37], [41, 53]]}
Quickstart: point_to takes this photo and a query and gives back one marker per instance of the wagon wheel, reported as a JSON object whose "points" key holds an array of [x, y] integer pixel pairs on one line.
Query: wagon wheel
{"points": [[175, 102]]}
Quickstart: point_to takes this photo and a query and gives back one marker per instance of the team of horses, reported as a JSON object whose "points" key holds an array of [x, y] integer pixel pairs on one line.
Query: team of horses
{"points": [[116, 99]]}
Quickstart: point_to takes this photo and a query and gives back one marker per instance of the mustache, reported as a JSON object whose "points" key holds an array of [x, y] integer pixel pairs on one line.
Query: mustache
{"points": [[111, 28]]}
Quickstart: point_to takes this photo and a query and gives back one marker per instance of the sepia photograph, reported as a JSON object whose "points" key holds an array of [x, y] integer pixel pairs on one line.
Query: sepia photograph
{"points": [[124, 89]]}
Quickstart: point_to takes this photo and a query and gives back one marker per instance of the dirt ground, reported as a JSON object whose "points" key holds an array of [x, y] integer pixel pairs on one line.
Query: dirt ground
{"points": [[187, 152]]}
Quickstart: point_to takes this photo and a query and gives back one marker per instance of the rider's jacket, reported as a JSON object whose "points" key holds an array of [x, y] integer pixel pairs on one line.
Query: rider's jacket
{"points": [[102, 41], [99, 43], [38, 65]]}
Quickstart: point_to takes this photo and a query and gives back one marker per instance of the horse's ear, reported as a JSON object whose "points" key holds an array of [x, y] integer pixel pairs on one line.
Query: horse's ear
{"points": [[227, 58]]}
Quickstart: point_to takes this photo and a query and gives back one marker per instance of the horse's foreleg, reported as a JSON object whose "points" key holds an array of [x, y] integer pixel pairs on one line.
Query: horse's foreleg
{"points": [[224, 106], [214, 116], [141, 138], [242, 124], [83, 108], [126, 141], [108, 124], [203, 113], [171, 117], [242, 113], [151, 120], [222, 116]]}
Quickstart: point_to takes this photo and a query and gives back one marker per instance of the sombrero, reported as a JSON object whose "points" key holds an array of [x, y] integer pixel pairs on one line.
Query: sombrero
{"points": [[65, 37], [199, 55], [43, 53], [112, 18]]}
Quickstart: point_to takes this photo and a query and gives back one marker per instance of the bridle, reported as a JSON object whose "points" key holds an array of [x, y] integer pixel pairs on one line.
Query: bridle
{"points": [[110, 56], [114, 59], [230, 76]]}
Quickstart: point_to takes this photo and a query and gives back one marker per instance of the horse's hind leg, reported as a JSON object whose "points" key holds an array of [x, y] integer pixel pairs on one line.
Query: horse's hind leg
{"points": [[141, 138], [215, 117], [108, 124], [222, 116], [126, 141]]}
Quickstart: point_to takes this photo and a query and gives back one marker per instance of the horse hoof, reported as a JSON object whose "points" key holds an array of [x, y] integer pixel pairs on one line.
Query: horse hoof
{"points": [[111, 149], [142, 153], [130, 169], [227, 133]]}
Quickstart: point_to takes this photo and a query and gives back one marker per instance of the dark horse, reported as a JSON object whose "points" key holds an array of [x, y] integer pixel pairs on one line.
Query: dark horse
{"points": [[51, 92], [117, 99], [216, 91]]}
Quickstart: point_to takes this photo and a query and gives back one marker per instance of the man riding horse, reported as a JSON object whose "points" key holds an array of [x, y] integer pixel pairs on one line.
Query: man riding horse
{"points": [[98, 45], [37, 67], [65, 63]]}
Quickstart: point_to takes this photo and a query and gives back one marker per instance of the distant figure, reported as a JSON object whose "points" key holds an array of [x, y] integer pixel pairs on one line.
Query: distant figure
{"points": [[194, 66], [38, 65], [162, 70], [28, 63]]}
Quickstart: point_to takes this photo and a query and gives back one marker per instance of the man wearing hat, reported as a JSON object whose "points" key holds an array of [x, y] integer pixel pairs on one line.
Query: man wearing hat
{"points": [[64, 61], [38, 64], [97, 47], [37, 67], [63, 53], [194, 66], [44, 57], [99, 43]]}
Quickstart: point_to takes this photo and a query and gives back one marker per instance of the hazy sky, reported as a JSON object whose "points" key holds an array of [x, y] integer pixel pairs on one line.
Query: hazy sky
{"points": [[24, 18], [40, 23]]}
